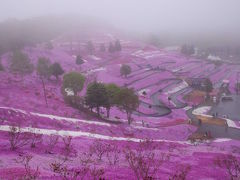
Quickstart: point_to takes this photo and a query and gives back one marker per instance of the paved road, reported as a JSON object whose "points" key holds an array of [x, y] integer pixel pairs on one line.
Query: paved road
{"points": [[216, 131]]}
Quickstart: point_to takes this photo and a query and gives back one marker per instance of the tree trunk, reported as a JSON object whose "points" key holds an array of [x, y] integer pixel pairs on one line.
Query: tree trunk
{"points": [[108, 112], [129, 117], [98, 111], [44, 91]]}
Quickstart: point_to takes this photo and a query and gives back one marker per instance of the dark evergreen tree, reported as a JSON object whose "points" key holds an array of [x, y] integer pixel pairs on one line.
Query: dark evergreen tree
{"points": [[125, 70], [79, 60], [118, 46], [97, 96], [56, 70], [90, 47]]}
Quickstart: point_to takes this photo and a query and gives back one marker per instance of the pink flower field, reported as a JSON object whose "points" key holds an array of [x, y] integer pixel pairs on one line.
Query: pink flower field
{"points": [[59, 141]]}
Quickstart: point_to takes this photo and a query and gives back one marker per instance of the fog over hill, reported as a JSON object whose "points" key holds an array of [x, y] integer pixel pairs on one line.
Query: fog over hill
{"points": [[167, 16]]}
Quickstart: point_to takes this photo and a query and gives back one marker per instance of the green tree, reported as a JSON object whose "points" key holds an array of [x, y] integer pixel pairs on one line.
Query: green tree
{"points": [[118, 46], [79, 60], [43, 67], [96, 96], [56, 70], [128, 101], [74, 81], [21, 63], [43, 73], [112, 92], [125, 70]]}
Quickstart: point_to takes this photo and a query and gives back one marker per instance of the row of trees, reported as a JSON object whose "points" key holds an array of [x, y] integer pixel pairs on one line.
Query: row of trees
{"points": [[21, 64], [100, 95], [45, 70], [188, 50], [113, 47], [110, 95]]}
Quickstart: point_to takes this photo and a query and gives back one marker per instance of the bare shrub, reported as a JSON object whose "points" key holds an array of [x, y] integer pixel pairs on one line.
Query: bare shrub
{"points": [[17, 138], [35, 139], [181, 173], [86, 158], [97, 173], [144, 164], [51, 143], [99, 148], [30, 173], [113, 154], [235, 149], [231, 164], [66, 172], [148, 144], [68, 149]]}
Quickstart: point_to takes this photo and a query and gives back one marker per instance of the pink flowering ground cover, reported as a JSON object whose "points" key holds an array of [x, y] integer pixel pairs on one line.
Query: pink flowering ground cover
{"points": [[63, 142]]}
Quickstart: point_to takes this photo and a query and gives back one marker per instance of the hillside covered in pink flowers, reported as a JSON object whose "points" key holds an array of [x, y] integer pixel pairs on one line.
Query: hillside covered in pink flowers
{"points": [[173, 132]]}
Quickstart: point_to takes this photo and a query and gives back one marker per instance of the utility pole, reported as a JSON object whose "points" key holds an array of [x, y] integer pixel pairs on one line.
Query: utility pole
{"points": [[237, 82]]}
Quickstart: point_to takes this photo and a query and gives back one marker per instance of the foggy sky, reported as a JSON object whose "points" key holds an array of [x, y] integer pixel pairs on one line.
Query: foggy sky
{"points": [[183, 16]]}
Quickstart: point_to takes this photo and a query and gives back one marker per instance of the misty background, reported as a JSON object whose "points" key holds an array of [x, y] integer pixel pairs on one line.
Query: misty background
{"points": [[171, 22]]}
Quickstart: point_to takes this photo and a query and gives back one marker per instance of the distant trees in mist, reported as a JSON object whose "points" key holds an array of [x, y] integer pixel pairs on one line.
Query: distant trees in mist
{"points": [[20, 63], [115, 47], [187, 49], [15, 34]]}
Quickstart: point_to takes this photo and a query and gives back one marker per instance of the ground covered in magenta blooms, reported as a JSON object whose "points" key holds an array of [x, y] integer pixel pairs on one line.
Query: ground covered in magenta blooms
{"points": [[60, 142]]}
